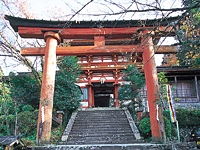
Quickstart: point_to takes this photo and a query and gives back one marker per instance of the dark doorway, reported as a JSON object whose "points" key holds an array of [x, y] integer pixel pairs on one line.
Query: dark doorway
{"points": [[101, 100]]}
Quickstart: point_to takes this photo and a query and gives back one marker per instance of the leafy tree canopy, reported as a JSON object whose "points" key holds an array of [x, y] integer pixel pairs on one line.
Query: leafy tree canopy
{"points": [[67, 94], [25, 89], [189, 37], [134, 82]]}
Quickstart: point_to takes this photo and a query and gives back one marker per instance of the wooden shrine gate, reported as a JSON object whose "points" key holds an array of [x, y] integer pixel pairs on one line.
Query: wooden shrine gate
{"points": [[92, 38]]}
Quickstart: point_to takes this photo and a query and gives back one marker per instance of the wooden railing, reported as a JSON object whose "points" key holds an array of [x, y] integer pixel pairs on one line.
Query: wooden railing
{"points": [[183, 95]]}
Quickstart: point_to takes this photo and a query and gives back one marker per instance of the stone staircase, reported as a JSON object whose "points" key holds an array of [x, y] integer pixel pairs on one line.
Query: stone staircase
{"points": [[101, 126]]}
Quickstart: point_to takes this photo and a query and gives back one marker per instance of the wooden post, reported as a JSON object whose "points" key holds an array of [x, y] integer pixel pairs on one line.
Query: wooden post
{"points": [[47, 89], [197, 90], [89, 85], [139, 115], [116, 101], [176, 86], [60, 116], [116, 87], [92, 98], [155, 110]]}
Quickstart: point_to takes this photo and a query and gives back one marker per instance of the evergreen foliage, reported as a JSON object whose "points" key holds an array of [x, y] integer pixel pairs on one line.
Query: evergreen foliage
{"points": [[130, 90], [6, 106], [186, 117], [135, 81], [145, 127], [25, 89], [24, 93], [67, 96]]}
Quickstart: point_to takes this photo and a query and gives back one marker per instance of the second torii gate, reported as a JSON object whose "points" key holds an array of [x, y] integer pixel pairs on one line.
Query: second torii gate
{"points": [[53, 32]]}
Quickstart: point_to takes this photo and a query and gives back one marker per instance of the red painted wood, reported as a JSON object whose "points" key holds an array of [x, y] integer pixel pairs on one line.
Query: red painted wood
{"points": [[139, 115], [98, 81], [84, 33], [108, 64], [96, 50], [116, 101], [99, 40], [89, 93], [47, 89], [92, 97], [152, 89]]}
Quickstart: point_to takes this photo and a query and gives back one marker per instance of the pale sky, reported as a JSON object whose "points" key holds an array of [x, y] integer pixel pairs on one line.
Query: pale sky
{"points": [[64, 9]]}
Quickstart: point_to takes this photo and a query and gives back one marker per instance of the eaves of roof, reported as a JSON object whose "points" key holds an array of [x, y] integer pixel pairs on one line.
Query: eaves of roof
{"points": [[16, 22]]}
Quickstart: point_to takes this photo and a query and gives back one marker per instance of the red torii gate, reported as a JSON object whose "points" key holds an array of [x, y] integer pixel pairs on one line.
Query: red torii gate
{"points": [[54, 31]]}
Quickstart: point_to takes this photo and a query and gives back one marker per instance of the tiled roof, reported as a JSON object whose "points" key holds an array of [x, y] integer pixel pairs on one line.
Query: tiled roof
{"points": [[8, 140]]}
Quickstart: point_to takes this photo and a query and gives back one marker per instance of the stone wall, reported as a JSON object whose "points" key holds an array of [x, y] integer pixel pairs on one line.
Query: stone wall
{"points": [[142, 146], [190, 106]]}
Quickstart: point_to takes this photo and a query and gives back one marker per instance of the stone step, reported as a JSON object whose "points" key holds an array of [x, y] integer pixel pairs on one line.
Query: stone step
{"points": [[100, 116], [99, 133], [94, 128], [99, 126], [100, 121], [101, 129], [96, 139], [101, 142], [102, 113]]}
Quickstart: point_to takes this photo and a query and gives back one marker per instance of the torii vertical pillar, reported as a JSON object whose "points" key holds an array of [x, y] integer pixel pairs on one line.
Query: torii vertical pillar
{"points": [[116, 87], [47, 90], [116, 101], [89, 85], [155, 110]]}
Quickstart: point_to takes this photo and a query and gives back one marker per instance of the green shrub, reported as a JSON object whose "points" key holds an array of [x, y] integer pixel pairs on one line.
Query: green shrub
{"points": [[168, 127], [27, 122], [27, 108], [186, 117], [145, 127]]}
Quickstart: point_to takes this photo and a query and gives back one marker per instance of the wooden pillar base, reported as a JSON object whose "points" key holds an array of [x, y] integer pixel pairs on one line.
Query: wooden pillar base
{"points": [[116, 101], [89, 95]]}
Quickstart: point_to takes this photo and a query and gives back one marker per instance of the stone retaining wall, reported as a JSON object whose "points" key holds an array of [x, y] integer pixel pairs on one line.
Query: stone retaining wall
{"points": [[145, 146], [190, 106]]}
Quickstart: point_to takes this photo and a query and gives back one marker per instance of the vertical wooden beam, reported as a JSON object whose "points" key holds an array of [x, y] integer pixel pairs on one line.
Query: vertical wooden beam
{"points": [[89, 86], [139, 115], [197, 89], [116, 101], [89, 93], [47, 89], [99, 40], [60, 116], [175, 78], [116, 87], [155, 110], [92, 97]]}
